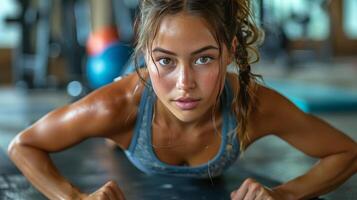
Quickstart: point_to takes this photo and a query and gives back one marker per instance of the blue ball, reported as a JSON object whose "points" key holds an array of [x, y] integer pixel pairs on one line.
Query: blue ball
{"points": [[109, 64]]}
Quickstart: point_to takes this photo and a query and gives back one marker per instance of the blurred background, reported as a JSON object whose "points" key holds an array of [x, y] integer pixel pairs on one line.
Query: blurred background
{"points": [[53, 53]]}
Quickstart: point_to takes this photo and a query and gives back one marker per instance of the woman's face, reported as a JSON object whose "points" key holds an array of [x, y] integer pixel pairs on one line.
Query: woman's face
{"points": [[187, 77]]}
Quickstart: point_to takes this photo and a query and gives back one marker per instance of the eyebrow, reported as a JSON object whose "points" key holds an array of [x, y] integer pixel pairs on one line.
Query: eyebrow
{"points": [[159, 49]]}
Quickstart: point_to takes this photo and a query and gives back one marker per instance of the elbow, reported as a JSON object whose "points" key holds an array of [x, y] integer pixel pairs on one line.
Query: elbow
{"points": [[14, 148]]}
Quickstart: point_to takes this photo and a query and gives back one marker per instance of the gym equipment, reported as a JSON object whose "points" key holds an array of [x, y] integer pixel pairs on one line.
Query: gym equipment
{"points": [[75, 25], [124, 12], [316, 98], [106, 66], [100, 39], [38, 41], [290, 35], [30, 60]]}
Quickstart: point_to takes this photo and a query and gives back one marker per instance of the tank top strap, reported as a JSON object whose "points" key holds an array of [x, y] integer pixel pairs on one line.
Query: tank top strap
{"points": [[229, 119], [144, 115]]}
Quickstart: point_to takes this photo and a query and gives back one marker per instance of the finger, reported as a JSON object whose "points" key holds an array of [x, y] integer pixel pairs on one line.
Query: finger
{"points": [[108, 191], [261, 194], [116, 190], [250, 195], [108, 195], [253, 190], [242, 191], [100, 195], [233, 193]]}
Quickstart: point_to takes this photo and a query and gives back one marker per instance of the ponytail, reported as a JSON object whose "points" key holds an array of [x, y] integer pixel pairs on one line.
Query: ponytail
{"points": [[247, 35]]}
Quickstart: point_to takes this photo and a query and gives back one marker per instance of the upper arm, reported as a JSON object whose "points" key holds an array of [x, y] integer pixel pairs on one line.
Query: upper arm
{"points": [[101, 114], [277, 115]]}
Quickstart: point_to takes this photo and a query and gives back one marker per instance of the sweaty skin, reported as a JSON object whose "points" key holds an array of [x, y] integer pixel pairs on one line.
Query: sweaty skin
{"points": [[187, 70]]}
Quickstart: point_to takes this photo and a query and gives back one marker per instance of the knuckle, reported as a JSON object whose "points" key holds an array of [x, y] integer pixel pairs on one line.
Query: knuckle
{"points": [[112, 184], [255, 187], [106, 194], [105, 188], [249, 181], [246, 183], [107, 191], [101, 195], [233, 193]]}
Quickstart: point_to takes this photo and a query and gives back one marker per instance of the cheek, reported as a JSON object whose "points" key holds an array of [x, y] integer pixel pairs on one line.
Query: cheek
{"points": [[161, 85], [210, 81]]}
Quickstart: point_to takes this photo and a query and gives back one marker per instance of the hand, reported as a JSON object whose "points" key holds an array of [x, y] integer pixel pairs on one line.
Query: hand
{"points": [[109, 191], [252, 190]]}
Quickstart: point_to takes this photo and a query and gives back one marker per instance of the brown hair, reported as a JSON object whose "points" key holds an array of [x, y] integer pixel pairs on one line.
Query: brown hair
{"points": [[229, 19]]}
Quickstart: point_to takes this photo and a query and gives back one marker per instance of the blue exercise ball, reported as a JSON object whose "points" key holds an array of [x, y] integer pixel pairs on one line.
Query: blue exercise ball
{"points": [[109, 64]]}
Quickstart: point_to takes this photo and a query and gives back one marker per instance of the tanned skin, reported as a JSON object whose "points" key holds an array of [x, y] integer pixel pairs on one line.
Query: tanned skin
{"points": [[111, 112], [63, 128]]}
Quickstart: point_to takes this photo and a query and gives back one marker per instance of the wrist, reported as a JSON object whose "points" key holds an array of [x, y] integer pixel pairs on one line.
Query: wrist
{"points": [[284, 194]]}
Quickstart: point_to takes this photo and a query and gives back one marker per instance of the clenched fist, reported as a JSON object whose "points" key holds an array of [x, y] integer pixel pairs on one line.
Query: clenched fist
{"points": [[109, 191], [252, 190]]}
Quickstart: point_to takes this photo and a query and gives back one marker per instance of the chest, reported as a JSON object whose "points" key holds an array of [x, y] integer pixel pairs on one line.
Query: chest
{"points": [[178, 147]]}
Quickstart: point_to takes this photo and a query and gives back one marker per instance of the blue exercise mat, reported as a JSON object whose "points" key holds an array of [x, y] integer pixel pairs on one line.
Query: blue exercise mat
{"points": [[311, 97]]}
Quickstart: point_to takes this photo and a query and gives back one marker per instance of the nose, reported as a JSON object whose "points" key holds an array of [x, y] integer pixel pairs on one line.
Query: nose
{"points": [[185, 80]]}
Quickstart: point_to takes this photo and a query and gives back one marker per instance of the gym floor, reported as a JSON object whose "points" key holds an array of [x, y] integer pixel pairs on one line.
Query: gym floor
{"points": [[91, 163]]}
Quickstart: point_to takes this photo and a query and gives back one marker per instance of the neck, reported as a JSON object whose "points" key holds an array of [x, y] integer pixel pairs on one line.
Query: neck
{"points": [[163, 117]]}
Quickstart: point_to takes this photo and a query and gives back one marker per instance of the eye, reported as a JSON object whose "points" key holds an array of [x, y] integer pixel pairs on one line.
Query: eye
{"points": [[203, 60], [165, 61]]}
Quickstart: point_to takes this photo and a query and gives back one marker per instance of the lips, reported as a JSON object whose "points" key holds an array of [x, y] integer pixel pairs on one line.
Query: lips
{"points": [[187, 103]]}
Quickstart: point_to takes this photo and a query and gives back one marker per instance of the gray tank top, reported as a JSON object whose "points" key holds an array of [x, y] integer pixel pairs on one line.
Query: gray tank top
{"points": [[142, 155]]}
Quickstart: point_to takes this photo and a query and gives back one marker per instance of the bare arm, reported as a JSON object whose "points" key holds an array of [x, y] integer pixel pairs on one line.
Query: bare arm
{"points": [[92, 116], [314, 137]]}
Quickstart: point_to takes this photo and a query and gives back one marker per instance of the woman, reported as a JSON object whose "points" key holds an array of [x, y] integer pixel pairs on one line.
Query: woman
{"points": [[185, 114]]}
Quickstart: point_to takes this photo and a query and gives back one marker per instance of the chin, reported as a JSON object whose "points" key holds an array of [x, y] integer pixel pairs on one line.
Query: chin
{"points": [[188, 116]]}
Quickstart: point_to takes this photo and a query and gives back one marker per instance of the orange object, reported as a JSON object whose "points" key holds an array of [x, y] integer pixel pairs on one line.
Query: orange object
{"points": [[101, 39]]}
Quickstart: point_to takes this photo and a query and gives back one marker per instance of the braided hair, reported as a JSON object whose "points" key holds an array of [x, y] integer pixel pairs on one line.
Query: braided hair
{"points": [[230, 20]]}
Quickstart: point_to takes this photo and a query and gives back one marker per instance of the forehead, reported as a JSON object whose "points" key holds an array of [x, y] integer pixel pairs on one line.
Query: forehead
{"points": [[184, 30]]}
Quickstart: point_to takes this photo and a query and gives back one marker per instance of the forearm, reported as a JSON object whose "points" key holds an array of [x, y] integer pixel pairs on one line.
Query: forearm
{"points": [[37, 166], [326, 175]]}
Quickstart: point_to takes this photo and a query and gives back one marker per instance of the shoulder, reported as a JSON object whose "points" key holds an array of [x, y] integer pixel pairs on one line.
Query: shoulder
{"points": [[127, 89], [272, 113], [106, 112], [275, 114], [112, 104]]}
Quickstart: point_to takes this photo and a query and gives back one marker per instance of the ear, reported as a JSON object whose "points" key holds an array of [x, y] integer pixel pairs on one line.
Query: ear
{"points": [[234, 45], [233, 49]]}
